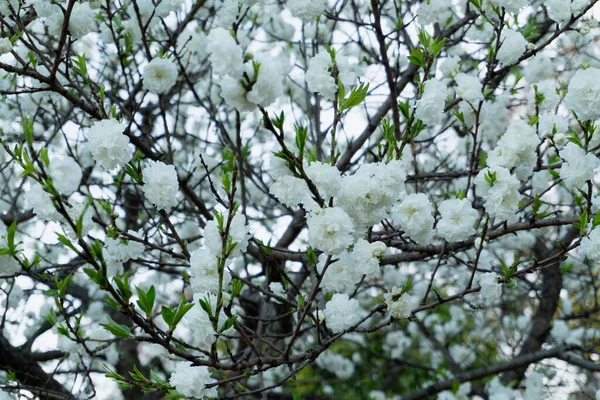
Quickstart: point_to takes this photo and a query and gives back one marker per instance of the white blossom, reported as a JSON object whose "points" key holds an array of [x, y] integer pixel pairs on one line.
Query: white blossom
{"points": [[191, 380], [290, 191], [400, 305], [414, 215], [204, 272], [66, 175], [590, 245], [308, 11], [237, 233], [108, 144], [234, 94], [546, 91], [226, 56], [497, 391], [516, 147], [160, 75], [578, 167], [326, 177], [39, 201], [82, 20], [341, 312], [341, 275], [458, 219], [511, 48], [198, 322], [583, 94], [468, 88], [534, 386], [160, 184], [330, 230], [337, 364], [5, 46], [511, 6], [319, 74], [368, 195], [491, 289], [430, 107]]}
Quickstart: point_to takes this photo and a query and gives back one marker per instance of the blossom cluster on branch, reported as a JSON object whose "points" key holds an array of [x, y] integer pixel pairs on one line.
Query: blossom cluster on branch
{"points": [[362, 199]]}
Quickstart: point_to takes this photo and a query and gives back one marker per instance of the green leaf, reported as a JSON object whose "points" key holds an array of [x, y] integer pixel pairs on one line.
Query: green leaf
{"points": [[301, 301], [65, 241], [10, 238], [28, 130], [167, 314], [123, 286], [596, 220], [356, 97], [228, 324], [341, 92], [116, 328], [146, 300]]}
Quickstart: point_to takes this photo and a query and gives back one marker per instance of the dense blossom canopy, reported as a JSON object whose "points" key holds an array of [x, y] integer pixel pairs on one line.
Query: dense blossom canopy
{"points": [[299, 199]]}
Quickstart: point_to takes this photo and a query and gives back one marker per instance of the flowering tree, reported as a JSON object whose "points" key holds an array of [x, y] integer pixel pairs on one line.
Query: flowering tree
{"points": [[299, 199]]}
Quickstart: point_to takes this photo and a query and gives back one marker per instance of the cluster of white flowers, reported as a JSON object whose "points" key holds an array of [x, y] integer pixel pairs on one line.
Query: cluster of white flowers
{"points": [[458, 219], [450, 66], [546, 92], [415, 216], [583, 95], [516, 147], [341, 312], [497, 391], [436, 11], [400, 305], [120, 251], [308, 11], [238, 233], [368, 195], [511, 6], [82, 20], [337, 364], [512, 46], [160, 184], [342, 275], [160, 75], [578, 166], [501, 191], [226, 56], [462, 354], [5, 46], [326, 177], [430, 107], [330, 230], [204, 272], [109, 146], [538, 68], [198, 322], [534, 386], [468, 88], [319, 74], [5, 6], [561, 10], [266, 87], [191, 381], [66, 175], [590, 245], [491, 289], [292, 191], [39, 201]]}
